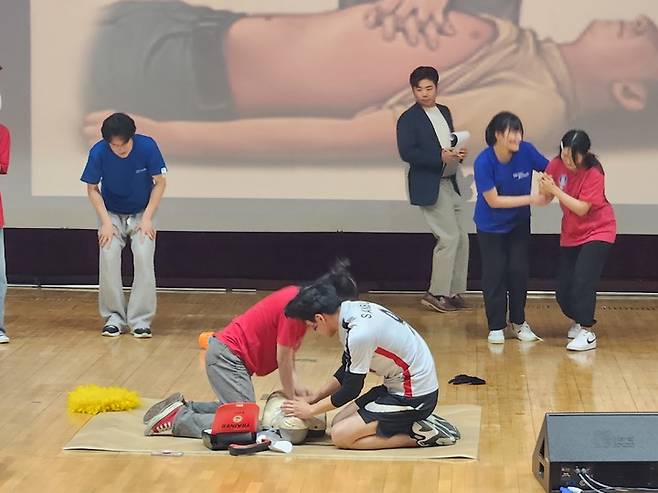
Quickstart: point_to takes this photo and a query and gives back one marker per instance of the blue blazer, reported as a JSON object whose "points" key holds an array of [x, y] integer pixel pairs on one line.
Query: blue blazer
{"points": [[419, 146]]}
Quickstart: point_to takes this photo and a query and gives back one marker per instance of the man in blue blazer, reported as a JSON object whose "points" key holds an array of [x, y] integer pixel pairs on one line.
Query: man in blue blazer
{"points": [[424, 141]]}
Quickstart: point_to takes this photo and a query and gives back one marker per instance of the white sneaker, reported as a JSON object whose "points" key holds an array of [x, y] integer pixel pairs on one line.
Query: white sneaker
{"points": [[4, 338], [584, 341], [496, 336], [524, 333], [573, 331]]}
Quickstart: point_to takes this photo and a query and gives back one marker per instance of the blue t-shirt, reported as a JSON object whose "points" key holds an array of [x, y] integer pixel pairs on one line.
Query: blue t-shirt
{"points": [[126, 183], [512, 178]]}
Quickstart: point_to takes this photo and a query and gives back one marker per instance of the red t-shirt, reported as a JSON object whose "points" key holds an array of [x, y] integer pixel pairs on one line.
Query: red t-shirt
{"points": [[5, 141], [254, 335], [588, 185]]}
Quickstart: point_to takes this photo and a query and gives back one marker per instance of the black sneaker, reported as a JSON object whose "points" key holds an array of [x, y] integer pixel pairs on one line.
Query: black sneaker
{"points": [[142, 333], [111, 331], [434, 431]]}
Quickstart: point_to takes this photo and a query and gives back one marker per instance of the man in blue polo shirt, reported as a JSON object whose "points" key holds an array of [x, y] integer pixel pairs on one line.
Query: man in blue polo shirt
{"points": [[130, 171]]}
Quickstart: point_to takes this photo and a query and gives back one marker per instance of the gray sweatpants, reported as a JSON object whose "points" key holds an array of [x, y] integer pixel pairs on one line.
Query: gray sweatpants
{"points": [[450, 258], [140, 309], [231, 381]]}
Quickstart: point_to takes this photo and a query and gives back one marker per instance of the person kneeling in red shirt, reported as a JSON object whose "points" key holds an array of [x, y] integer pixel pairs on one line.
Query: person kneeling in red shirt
{"points": [[259, 341]]}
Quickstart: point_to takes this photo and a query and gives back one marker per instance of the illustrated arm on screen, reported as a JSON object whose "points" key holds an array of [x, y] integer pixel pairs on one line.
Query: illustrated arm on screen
{"points": [[368, 136]]}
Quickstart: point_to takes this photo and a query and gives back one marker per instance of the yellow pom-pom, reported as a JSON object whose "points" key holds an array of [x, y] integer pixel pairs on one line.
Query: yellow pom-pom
{"points": [[92, 399]]}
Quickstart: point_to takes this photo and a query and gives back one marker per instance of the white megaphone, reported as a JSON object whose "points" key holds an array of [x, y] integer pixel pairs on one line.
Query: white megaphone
{"points": [[458, 139]]}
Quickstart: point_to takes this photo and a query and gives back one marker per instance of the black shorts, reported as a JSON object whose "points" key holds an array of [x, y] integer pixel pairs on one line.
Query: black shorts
{"points": [[163, 60], [394, 413]]}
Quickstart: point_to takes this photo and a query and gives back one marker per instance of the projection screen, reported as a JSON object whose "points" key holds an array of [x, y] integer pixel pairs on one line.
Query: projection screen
{"points": [[280, 115]]}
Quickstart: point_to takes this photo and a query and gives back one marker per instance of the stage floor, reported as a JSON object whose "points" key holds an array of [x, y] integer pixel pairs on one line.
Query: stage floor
{"points": [[56, 345]]}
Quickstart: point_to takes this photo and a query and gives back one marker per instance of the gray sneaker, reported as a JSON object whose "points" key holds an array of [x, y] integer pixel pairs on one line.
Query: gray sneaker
{"points": [[158, 407], [163, 422]]}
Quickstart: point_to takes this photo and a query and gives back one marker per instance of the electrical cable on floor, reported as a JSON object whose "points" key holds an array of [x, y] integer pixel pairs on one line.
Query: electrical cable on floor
{"points": [[589, 481], [590, 485]]}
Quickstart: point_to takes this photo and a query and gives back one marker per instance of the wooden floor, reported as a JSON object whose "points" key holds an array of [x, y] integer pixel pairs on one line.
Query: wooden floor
{"points": [[56, 345]]}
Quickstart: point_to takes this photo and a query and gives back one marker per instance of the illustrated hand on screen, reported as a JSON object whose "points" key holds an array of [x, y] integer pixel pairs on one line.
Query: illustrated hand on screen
{"points": [[415, 19]]}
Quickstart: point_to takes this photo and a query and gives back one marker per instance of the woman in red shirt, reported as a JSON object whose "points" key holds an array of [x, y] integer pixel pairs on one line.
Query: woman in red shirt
{"points": [[589, 228]]}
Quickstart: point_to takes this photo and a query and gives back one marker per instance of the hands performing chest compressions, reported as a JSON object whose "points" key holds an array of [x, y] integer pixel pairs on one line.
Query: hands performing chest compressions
{"points": [[397, 413]]}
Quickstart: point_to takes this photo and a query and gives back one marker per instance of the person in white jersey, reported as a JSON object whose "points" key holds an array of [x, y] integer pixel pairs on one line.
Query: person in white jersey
{"points": [[424, 141], [397, 413]]}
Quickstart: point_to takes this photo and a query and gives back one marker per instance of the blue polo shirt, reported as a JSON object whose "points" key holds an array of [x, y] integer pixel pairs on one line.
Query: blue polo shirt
{"points": [[126, 183], [512, 178]]}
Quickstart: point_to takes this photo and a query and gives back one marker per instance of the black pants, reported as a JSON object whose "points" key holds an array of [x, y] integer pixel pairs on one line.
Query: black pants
{"points": [[505, 274], [578, 275]]}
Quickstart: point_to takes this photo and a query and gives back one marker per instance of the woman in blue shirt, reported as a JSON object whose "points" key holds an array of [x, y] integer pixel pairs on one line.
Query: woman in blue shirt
{"points": [[503, 178]]}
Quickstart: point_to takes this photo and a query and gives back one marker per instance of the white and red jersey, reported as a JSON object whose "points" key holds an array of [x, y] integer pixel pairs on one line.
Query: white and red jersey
{"points": [[375, 339]]}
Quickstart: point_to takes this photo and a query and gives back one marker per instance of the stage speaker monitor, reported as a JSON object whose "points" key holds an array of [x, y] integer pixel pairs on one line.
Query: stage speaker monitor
{"points": [[614, 449]]}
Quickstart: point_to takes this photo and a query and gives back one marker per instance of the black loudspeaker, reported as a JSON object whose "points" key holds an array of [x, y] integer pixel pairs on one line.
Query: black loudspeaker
{"points": [[615, 449]]}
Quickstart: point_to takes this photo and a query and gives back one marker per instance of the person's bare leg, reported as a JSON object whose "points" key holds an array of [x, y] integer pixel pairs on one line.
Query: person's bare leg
{"points": [[353, 433], [331, 64], [346, 412]]}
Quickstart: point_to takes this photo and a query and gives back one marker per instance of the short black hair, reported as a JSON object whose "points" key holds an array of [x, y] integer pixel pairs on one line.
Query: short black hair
{"points": [[118, 125], [312, 299], [421, 73], [325, 294], [502, 122]]}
